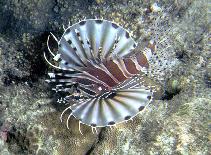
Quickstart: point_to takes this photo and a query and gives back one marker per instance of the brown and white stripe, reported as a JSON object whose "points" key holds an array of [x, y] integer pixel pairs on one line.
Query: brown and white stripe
{"points": [[97, 55]]}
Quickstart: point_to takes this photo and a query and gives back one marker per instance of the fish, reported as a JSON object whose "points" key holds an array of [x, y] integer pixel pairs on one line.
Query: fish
{"points": [[96, 59]]}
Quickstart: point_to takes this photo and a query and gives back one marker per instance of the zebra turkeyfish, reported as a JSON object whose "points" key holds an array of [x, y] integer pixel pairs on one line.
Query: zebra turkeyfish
{"points": [[96, 59]]}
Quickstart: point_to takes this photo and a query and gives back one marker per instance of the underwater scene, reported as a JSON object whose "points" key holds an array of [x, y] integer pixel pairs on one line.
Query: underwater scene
{"points": [[105, 77]]}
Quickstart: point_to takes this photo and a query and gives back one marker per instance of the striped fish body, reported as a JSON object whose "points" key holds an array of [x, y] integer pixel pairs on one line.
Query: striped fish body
{"points": [[109, 74], [98, 56]]}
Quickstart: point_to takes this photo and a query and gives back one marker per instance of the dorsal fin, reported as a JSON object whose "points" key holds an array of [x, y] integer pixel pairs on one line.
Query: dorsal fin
{"points": [[94, 40]]}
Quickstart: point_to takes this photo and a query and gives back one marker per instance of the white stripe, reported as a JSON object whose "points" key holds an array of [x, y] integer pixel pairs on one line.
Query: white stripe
{"points": [[104, 69], [88, 76], [138, 67], [121, 65]]}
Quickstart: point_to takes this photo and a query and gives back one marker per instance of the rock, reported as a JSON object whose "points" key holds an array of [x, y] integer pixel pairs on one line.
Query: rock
{"points": [[175, 133]]}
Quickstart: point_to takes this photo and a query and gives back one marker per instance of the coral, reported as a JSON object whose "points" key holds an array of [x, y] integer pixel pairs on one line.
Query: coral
{"points": [[69, 140], [163, 134], [207, 75], [99, 1], [31, 140]]}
